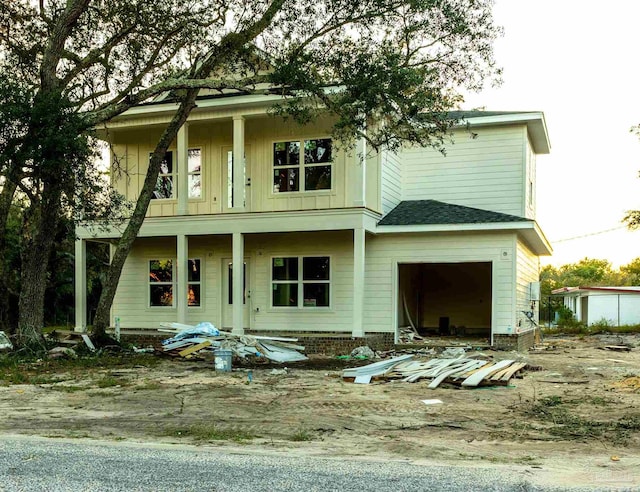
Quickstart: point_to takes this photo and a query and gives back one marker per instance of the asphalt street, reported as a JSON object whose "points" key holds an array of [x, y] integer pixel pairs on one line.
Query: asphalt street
{"points": [[40, 464]]}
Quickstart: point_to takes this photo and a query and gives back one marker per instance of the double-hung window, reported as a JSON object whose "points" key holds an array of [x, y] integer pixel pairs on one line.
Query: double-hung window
{"points": [[194, 165], [302, 165], [300, 281], [166, 179], [165, 184], [162, 279]]}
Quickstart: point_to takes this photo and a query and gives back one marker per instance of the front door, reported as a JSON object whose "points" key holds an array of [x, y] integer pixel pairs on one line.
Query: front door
{"points": [[227, 295]]}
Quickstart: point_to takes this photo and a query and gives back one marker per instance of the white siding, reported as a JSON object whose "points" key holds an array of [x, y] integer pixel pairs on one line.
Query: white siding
{"points": [[527, 271], [485, 172], [391, 179], [530, 182], [132, 299], [386, 251]]}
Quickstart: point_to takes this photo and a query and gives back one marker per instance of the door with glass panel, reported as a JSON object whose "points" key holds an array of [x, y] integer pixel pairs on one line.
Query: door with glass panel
{"points": [[228, 200], [227, 294]]}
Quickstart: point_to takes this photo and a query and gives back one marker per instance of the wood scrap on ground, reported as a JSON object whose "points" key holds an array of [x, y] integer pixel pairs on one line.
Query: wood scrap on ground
{"points": [[195, 341], [465, 372]]}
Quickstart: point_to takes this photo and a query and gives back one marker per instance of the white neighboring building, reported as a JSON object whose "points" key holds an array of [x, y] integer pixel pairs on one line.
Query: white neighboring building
{"points": [[619, 306]]}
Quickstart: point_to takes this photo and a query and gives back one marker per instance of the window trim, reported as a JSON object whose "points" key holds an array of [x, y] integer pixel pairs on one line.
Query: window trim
{"points": [[198, 173], [302, 166], [174, 283], [300, 282], [175, 175]]}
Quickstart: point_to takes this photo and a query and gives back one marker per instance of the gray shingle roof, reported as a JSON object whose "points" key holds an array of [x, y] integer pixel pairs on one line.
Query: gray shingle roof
{"points": [[431, 212]]}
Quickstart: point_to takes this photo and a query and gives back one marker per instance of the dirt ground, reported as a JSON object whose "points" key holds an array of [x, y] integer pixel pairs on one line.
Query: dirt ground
{"points": [[576, 421]]}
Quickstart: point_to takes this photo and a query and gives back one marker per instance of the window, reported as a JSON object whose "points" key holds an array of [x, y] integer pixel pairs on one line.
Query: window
{"points": [[194, 165], [162, 280], [300, 281], [166, 178], [302, 165], [160, 283], [193, 286], [164, 183]]}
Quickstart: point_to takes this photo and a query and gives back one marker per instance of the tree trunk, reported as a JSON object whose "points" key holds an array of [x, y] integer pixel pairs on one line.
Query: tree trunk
{"points": [[102, 317], [6, 198], [36, 249]]}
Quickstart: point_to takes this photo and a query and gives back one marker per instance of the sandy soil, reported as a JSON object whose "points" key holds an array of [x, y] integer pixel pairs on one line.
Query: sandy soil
{"points": [[576, 421]]}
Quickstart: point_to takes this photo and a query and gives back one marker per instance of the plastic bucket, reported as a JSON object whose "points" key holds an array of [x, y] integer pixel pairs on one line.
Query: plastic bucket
{"points": [[222, 360]]}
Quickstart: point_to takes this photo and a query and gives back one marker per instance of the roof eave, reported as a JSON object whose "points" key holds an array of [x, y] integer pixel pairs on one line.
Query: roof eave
{"points": [[535, 121], [530, 231]]}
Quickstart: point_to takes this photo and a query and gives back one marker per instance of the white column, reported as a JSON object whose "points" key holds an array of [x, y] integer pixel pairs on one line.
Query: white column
{"points": [[80, 267], [238, 283], [182, 269], [358, 282], [360, 173], [183, 170], [238, 163]]}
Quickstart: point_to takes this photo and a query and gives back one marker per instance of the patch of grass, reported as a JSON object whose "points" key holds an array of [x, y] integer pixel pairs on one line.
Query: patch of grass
{"points": [[210, 432], [68, 389], [151, 385], [15, 369], [110, 382], [300, 436], [565, 422]]}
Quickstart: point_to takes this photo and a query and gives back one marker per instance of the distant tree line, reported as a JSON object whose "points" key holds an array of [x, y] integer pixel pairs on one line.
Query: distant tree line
{"points": [[586, 272]]}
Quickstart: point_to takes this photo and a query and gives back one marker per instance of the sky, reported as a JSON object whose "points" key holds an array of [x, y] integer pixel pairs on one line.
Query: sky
{"points": [[577, 62]]}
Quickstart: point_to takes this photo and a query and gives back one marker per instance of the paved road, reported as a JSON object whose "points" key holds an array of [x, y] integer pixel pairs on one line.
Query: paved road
{"points": [[38, 464]]}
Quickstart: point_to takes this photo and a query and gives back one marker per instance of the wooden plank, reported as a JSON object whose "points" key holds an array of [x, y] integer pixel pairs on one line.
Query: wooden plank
{"points": [[477, 377], [512, 370], [195, 348], [498, 375], [436, 382], [88, 343]]}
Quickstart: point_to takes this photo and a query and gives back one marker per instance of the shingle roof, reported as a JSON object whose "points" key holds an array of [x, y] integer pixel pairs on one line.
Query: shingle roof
{"points": [[477, 113], [431, 212]]}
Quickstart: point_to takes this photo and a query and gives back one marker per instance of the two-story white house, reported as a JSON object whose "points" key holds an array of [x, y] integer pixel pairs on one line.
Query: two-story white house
{"points": [[329, 242]]}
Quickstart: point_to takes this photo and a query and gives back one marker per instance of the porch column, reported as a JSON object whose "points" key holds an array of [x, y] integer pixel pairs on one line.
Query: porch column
{"points": [[182, 269], [238, 163], [358, 282], [238, 282], [80, 267], [360, 173], [183, 170]]}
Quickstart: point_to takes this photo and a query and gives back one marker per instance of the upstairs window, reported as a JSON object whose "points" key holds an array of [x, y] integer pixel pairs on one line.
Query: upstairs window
{"points": [[165, 184], [302, 165], [194, 164], [166, 178]]}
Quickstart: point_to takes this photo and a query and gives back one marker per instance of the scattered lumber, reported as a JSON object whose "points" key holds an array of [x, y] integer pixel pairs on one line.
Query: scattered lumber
{"points": [[465, 372], [196, 341]]}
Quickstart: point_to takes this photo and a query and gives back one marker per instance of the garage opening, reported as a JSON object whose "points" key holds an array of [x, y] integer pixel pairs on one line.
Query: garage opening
{"points": [[445, 299]]}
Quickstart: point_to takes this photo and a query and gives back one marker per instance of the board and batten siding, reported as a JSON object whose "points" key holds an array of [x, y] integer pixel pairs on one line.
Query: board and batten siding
{"points": [[391, 180], [483, 171], [527, 271], [385, 252], [130, 160], [131, 303]]}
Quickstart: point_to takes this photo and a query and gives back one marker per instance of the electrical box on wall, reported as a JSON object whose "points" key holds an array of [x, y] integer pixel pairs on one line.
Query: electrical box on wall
{"points": [[534, 291]]}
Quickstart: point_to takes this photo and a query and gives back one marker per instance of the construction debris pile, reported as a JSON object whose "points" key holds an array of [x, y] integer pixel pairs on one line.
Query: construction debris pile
{"points": [[192, 340], [459, 371]]}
